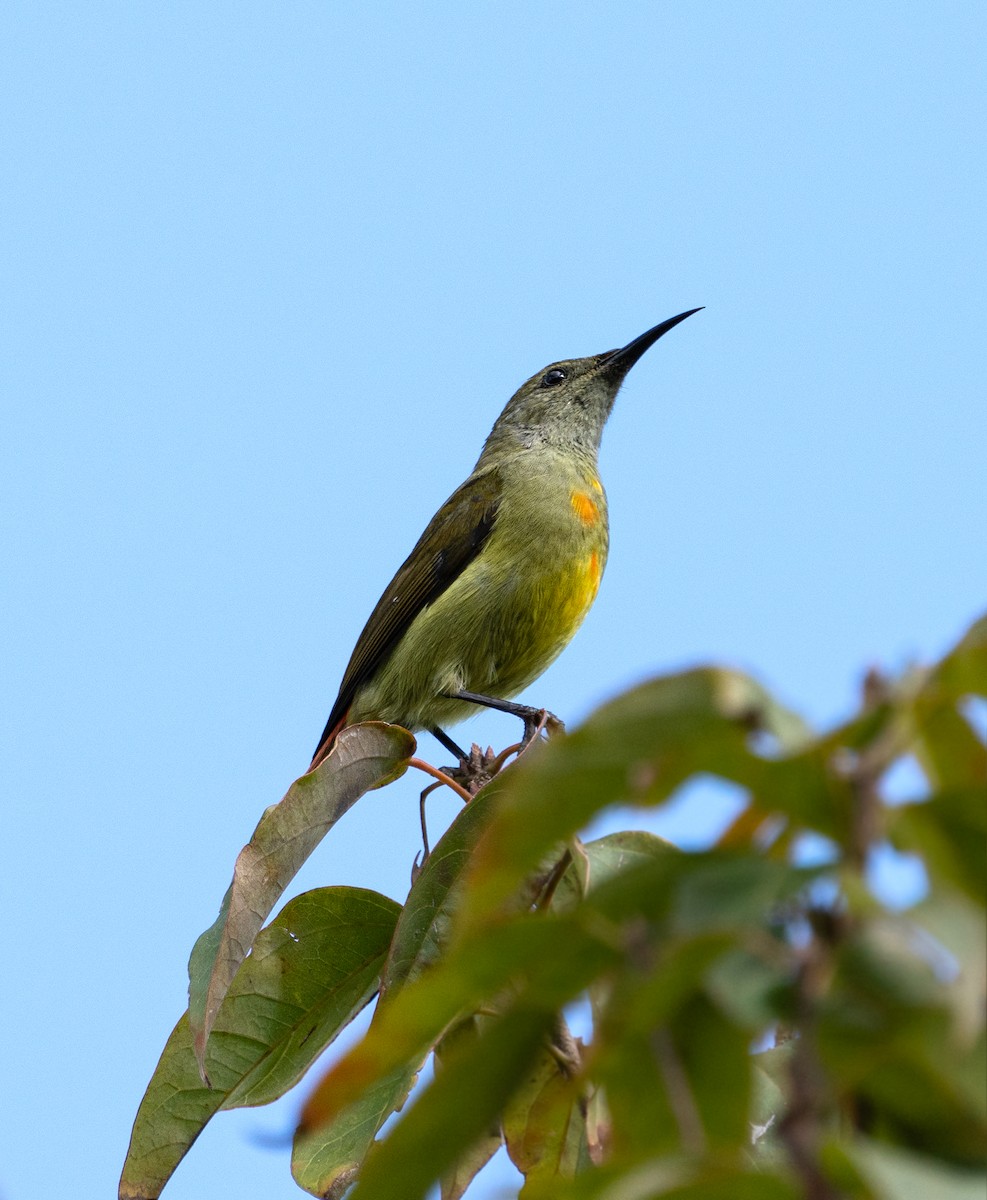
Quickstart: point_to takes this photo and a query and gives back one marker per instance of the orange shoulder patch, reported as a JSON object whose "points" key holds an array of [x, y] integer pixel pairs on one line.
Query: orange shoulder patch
{"points": [[584, 506]]}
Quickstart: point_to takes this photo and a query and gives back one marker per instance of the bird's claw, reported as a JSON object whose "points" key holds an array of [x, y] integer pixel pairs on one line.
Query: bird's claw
{"points": [[475, 770], [540, 721]]}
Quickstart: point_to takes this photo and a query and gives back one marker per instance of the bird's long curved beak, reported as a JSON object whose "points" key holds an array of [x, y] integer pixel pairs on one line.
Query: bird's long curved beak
{"points": [[618, 362]]}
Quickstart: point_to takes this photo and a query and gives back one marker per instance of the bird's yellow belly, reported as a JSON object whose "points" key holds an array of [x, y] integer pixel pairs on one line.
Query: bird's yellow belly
{"points": [[532, 612], [576, 591], [503, 621]]}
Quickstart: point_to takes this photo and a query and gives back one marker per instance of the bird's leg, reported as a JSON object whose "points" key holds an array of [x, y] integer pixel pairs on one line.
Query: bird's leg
{"points": [[440, 735], [476, 768], [535, 719]]}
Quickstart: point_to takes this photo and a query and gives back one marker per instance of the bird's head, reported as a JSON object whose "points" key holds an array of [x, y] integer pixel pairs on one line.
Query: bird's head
{"points": [[567, 403]]}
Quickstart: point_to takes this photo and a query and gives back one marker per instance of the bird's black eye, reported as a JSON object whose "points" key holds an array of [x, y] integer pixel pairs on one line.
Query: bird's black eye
{"points": [[554, 377]]}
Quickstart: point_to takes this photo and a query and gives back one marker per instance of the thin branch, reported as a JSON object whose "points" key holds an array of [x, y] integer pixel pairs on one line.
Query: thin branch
{"points": [[684, 1107], [441, 776]]}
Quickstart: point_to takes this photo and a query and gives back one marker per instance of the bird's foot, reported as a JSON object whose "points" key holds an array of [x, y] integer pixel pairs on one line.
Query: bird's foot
{"points": [[538, 721], [475, 769], [472, 772]]}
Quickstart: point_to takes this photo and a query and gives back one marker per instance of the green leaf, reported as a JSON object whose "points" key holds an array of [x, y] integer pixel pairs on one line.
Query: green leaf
{"points": [[963, 672], [465, 1169], [605, 858], [949, 749], [636, 1056], [553, 958], [546, 1122], [459, 1106], [364, 757], [418, 940], [331, 1146], [674, 1177], [946, 744], [423, 926], [897, 1173], [628, 1069], [769, 1079], [721, 891], [949, 831], [640, 749], [706, 971], [685, 958], [312, 969], [716, 1058], [752, 988], [457, 1178], [892, 1046], [695, 1070], [960, 927], [326, 1161]]}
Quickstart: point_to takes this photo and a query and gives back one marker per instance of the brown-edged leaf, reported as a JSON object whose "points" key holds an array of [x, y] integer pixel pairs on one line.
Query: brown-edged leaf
{"points": [[364, 757], [312, 969]]}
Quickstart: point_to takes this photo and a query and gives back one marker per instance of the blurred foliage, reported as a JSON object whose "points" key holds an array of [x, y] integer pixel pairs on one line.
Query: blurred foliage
{"points": [[758, 1026]]}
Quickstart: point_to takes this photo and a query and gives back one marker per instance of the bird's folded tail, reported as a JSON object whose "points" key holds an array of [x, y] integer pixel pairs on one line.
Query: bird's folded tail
{"points": [[328, 741]]}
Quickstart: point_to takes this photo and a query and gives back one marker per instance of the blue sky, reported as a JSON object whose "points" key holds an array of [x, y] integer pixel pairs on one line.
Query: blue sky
{"points": [[268, 274]]}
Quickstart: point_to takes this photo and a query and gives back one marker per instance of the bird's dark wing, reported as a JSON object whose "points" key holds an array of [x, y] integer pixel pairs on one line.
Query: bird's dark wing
{"points": [[452, 540]]}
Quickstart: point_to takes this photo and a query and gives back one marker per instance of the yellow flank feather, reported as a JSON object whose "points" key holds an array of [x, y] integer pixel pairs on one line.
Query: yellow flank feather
{"points": [[584, 583]]}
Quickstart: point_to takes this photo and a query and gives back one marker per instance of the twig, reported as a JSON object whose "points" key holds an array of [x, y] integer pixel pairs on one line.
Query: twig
{"points": [[800, 1128], [441, 776], [684, 1107]]}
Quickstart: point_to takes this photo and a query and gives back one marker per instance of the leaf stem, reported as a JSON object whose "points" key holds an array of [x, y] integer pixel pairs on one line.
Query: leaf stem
{"points": [[441, 776]]}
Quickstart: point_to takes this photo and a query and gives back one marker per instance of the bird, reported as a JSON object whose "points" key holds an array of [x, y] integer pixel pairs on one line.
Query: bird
{"points": [[505, 571]]}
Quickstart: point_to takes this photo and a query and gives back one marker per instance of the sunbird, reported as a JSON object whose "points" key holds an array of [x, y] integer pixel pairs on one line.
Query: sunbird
{"points": [[507, 568]]}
